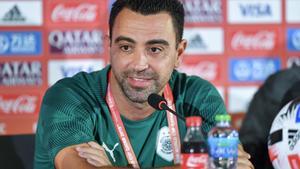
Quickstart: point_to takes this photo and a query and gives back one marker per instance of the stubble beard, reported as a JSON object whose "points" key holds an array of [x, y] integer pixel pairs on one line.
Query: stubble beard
{"points": [[138, 95]]}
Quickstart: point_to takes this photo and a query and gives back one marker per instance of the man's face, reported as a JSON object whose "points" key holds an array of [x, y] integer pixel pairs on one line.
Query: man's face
{"points": [[143, 53]]}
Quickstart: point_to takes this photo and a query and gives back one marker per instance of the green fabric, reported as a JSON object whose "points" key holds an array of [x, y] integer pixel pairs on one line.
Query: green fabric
{"points": [[74, 111]]}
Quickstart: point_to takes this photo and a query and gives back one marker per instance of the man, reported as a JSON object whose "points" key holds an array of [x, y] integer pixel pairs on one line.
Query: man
{"points": [[103, 118]]}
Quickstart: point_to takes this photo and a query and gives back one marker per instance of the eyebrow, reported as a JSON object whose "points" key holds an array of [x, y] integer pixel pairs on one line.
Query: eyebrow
{"points": [[151, 42], [158, 41], [124, 38]]}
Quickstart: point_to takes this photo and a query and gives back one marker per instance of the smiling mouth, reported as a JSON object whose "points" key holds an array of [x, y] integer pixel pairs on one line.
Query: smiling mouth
{"points": [[139, 82], [140, 78]]}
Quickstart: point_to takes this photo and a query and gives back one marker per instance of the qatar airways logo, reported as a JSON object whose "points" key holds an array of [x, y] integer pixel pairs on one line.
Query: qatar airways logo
{"points": [[197, 11], [25, 104], [85, 12], [20, 73], [261, 40], [76, 42]]}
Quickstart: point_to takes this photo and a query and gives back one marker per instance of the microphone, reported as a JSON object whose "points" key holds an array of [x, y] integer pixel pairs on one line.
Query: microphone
{"points": [[160, 103]]}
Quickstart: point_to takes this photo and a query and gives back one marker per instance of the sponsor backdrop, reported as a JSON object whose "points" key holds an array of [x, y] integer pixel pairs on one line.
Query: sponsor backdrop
{"points": [[235, 44]]}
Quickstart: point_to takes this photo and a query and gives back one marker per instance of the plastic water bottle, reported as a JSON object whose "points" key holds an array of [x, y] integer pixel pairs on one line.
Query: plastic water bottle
{"points": [[223, 144], [194, 150]]}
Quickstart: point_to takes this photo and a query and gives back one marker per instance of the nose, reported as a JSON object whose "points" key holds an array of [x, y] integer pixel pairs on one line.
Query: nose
{"points": [[141, 61]]}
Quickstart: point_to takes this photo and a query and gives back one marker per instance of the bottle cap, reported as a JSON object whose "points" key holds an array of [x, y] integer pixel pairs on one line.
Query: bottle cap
{"points": [[193, 121], [223, 117]]}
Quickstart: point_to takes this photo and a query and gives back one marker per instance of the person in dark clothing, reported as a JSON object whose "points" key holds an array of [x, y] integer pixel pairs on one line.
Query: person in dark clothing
{"points": [[291, 94], [262, 110]]}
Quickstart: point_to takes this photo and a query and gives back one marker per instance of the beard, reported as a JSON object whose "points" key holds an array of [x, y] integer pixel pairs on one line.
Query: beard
{"points": [[138, 94]]}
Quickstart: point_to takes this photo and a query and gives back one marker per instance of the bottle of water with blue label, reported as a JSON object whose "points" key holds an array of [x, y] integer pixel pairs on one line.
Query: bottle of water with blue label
{"points": [[223, 144]]}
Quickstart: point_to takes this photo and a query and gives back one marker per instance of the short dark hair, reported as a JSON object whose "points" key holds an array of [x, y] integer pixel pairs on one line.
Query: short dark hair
{"points": [[147, 7]]}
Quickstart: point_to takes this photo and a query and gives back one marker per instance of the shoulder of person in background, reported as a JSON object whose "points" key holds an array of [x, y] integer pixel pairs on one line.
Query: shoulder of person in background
{"points": [[292, 93], [263, 108]]}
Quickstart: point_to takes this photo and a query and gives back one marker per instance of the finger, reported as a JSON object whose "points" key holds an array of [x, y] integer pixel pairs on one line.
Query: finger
{"points": [[245, 166], [101, 159], [95, 163], [90, 150], [244, 163], [95, 145], [242, 153], [240, 147]]}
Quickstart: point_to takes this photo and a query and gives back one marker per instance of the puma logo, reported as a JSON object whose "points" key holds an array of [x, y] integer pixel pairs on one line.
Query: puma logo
{"points": [[111, 152]]}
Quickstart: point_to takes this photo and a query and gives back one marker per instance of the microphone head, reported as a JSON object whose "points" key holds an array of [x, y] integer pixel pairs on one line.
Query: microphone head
{"points": [[156, 101]]}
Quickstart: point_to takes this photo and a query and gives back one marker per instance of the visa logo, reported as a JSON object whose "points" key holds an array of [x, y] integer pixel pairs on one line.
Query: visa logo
{"points": [[68, 68], [293, 41], [70, 71], [256, 10], [252, 69]]}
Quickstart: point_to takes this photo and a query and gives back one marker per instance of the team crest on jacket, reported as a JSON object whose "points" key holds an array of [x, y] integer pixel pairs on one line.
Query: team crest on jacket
{"points": [[163, 144]]}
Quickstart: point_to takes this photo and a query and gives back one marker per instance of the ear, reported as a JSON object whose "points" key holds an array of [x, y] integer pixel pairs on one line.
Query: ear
{"points": [[180, 50]]}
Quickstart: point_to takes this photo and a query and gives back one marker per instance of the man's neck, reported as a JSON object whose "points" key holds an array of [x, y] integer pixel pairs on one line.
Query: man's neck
{"points": [[127, 108]]}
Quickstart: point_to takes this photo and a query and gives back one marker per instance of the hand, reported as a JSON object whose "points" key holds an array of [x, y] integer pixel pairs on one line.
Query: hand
{"points": [[243, 159], [94, 154]]}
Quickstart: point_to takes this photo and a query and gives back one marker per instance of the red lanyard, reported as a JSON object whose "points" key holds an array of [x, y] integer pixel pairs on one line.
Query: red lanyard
{"points": [[119, 126]]}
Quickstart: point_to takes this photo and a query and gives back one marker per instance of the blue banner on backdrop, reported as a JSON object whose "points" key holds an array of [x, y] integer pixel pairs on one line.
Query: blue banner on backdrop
{"points": [[20, 43], [252, 69]]}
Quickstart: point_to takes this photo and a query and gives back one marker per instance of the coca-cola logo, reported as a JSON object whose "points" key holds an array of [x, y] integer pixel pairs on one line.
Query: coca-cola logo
{"points": [[84, 12], [197, 161], [262, 40], [206, 69], [24, 104]]}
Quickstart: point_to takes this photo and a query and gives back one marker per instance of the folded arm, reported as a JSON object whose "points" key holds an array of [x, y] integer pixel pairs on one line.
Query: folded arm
{"points": [[82, 156]]}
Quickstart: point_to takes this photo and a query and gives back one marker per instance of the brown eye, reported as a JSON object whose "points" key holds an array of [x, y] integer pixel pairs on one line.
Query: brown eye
{"points": [[155, 50], [125, 48]]}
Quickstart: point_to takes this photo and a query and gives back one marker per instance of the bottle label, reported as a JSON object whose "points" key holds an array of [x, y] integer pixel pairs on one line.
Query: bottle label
{"points": [[197, 160], [223, 147]]}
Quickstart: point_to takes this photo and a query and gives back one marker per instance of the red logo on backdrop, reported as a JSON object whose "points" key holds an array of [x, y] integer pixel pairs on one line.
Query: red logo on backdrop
{"points": [[208, 70], [262, 40], [12, 104], [254, 40], [76, 12], [84, 12]]}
